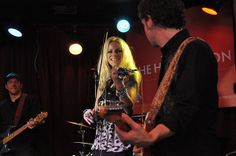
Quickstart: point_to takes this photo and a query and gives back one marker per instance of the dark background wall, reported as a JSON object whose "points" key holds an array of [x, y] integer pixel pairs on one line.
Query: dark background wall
{"points": [[64, 83]]}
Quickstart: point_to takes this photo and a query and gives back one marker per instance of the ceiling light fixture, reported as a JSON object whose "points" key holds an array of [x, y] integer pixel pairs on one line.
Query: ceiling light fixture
{"points": [[212, 7], [75, 47], [15, 27], [123, 25], [15, 32]]}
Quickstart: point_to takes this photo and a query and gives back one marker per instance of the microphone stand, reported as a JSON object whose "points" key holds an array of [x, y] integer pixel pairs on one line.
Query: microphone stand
{"points": [[96, 81], [99, 71]]}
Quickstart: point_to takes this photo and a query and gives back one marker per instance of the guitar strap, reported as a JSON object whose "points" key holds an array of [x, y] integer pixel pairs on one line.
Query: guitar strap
{"points": [[19, 109], [165, 83]]}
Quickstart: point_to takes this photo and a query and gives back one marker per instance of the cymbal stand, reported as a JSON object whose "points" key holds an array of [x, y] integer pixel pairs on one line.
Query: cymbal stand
{"points": [[82, 152]]}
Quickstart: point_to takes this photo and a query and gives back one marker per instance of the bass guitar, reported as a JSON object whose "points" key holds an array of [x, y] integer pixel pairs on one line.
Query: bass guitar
{"points": [[7, 136]]}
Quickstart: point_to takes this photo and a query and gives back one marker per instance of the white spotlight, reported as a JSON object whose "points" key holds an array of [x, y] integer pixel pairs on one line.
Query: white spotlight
{"points": [[75, 49], [14, 32], [123, 25]]}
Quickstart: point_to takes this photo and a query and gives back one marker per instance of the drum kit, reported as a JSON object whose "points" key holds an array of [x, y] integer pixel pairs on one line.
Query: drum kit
{"points": [[84, 144], [138, 118]]}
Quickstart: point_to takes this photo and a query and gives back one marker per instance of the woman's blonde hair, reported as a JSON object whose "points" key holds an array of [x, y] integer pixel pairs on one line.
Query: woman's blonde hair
{"points": [[104, 68]]}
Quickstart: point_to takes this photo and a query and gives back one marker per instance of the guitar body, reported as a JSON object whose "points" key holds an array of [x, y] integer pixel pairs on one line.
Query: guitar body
{"points": [[4, 147], [148, 126], [146, 152]]}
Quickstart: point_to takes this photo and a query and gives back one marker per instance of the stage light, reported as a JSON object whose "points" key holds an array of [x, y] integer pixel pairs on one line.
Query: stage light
{"points": [[75, 49], [75, 46], [212, 7], [123, 25], [15, 32], [15, 27]]}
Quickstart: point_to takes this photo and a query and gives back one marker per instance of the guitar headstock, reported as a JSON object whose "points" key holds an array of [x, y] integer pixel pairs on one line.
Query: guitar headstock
{"points": [[39, 118]]}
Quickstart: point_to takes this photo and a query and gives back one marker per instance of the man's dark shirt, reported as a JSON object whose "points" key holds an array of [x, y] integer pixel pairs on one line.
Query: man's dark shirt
{"points": [[7, 114], [190, 106]]}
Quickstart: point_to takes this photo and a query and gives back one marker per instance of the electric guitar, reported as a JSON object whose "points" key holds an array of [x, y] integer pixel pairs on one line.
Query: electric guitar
{"points": [[7, 136], [148, 126], [113, 113]]}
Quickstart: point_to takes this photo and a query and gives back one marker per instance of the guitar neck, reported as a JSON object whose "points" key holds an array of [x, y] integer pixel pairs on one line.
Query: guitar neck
{"points": [[14, 134]]}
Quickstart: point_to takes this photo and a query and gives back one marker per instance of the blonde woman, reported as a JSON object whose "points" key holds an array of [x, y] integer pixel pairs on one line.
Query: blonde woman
{"points": [[114, 87]]}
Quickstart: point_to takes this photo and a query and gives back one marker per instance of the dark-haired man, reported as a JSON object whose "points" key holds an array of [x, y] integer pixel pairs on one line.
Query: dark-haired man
{"points": [[185, 124], [16, 110]]}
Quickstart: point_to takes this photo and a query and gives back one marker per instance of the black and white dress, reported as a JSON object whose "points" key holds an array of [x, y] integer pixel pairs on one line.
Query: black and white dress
{"points": [[106, 139]]}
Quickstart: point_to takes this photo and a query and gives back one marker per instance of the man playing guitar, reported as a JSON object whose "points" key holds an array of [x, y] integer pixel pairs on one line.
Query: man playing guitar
{"points": [[16, 110], [183, 113]]}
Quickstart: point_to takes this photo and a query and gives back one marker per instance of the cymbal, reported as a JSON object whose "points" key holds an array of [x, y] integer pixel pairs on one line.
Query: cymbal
{"points": [[80, 124], [83, 143]]}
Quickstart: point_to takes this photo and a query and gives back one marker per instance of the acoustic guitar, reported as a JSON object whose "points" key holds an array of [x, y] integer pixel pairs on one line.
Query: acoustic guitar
{"points": [[7, 136]]}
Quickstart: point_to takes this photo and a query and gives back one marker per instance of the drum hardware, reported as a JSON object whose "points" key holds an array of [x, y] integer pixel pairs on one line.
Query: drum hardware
{"points": [[231, 153], [84, 144], [81, 131], [80, 124]]}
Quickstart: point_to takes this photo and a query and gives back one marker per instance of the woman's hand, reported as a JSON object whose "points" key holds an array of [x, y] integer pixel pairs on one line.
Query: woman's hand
{"points": [[118, 82], [88, 116]]}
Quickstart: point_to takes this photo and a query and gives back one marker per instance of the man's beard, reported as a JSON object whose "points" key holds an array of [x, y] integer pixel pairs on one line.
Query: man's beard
{"points": [[15, 93]]}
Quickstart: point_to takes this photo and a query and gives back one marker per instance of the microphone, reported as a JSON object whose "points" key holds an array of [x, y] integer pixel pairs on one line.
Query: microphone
{"points": [[125, 71]]}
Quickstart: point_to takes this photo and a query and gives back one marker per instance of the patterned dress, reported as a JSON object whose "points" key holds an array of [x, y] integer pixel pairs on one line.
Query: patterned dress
{"points": [[106, 139]]}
